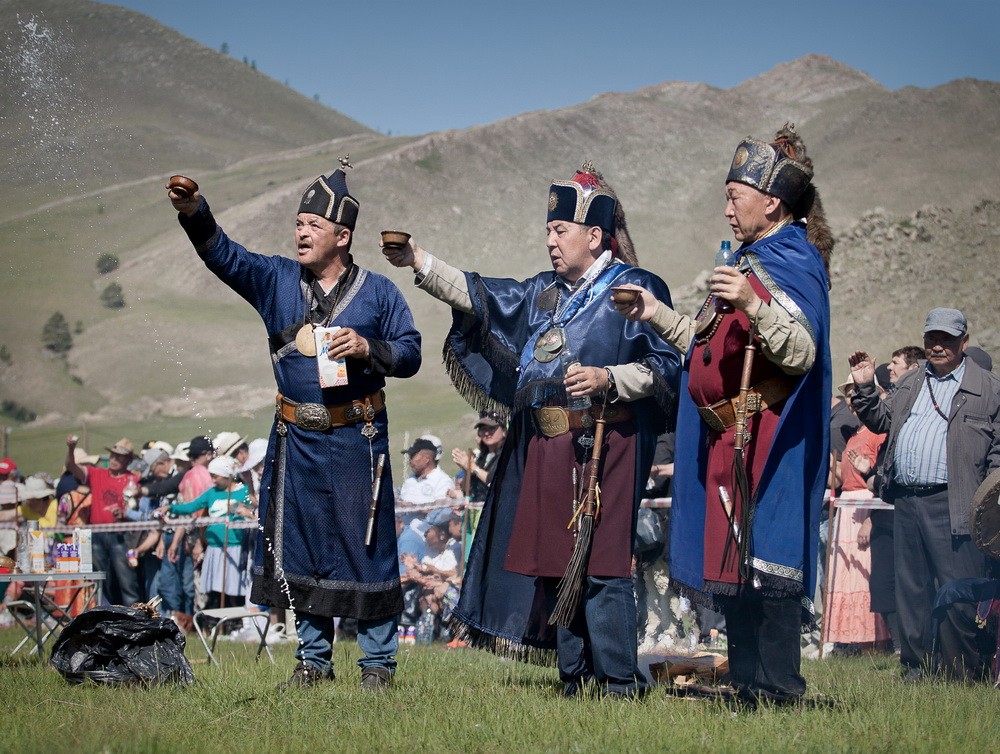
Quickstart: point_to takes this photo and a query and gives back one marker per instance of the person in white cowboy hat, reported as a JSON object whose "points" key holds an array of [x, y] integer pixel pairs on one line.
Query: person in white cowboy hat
{"points": [[107, 486], [253, 467], [232, 444]]}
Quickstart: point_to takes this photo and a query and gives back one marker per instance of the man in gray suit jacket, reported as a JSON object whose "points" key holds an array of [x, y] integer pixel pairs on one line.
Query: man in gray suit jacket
{"points": [[943, 438]]}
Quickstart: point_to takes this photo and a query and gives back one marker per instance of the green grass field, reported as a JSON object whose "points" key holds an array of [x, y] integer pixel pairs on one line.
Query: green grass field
{"points": [[466, 700]]}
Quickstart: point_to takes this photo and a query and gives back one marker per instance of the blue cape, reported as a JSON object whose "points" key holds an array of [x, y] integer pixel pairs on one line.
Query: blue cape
{"points": [[792, 486]]}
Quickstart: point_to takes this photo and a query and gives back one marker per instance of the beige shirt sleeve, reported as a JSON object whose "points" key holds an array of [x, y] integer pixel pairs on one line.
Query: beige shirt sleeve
{"points": [[633, 381], [784, 340], [676, 329], [445, 283]]}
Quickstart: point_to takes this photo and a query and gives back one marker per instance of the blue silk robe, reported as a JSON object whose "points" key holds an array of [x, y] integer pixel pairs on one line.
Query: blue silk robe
{"points": [[315, 496], [489, 357]]}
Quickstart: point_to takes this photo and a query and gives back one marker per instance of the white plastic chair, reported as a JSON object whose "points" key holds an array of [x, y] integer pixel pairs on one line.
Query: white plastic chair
{"points": [[226, 615]]}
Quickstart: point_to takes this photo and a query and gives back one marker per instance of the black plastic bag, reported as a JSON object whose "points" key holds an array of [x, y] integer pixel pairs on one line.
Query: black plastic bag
{"points": [[122, 646]]}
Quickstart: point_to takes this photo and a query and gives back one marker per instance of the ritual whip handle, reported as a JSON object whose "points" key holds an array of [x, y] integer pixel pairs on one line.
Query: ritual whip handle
{"points": [[376, 486], [739, 437]]}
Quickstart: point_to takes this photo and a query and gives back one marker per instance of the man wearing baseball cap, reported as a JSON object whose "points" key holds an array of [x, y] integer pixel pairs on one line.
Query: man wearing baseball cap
{"points": [[943, 425], [428, 482]]}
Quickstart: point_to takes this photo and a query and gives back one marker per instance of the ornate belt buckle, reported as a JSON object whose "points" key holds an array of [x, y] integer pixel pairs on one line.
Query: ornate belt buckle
{"points": [[753, 402], [369, 412], [711, 419], [552, 421], [355, 412], [586, 420], [312, 416]]}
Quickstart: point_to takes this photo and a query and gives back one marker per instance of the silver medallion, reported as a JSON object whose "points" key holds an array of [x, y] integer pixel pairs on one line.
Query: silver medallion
{"points": [[549, 344]]}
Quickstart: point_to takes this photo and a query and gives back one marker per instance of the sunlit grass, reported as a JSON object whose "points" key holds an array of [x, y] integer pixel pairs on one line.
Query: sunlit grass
{"points": [[448, 700]]}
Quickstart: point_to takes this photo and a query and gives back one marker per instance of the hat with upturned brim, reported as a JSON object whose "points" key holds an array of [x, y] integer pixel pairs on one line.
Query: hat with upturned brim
{"points": [[36, 488], [775, 168], [123, 447]]}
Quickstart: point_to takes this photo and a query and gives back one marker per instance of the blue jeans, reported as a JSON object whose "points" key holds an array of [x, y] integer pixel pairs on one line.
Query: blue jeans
{"points": [[176, 580], [600, 643], [378, 640], [149, 567], [121, 587]]}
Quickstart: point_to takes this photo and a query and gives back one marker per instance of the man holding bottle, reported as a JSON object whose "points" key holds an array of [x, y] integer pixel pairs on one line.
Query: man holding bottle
{"points": [[752, 431]]}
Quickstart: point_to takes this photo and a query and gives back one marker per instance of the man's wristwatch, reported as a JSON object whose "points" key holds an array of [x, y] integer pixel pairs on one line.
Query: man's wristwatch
{"points": [[612, 392]]}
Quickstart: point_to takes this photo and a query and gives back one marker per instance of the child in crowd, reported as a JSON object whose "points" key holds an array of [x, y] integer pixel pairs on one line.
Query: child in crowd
{"points": [[222, 571]]}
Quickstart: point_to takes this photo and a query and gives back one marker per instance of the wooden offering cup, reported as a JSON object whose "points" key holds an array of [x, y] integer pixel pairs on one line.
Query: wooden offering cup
{"points": [[394, 239], [182, 186], [624, 295]]}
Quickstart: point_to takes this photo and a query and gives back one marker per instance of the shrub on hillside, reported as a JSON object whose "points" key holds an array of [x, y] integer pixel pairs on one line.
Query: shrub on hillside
{"points": [[107, 263], [17, 412], [56, 335], [112, 296]]}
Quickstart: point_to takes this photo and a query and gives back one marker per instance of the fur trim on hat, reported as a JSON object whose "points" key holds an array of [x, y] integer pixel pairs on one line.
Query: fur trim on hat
{"points": [[626, 249], [809, 206]]}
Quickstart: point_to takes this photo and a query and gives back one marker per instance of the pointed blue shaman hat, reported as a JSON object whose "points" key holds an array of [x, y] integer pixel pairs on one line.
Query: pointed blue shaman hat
{"points": [[328, 197], [772, 168], [582, 200]]}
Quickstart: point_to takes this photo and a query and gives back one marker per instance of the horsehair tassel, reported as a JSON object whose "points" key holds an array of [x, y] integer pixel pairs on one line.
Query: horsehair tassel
{"points": [[570, 588]]}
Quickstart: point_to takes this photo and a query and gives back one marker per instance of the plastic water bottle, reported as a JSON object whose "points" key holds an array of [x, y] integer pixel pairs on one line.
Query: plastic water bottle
{"points": [[24, 546], [724, 257], [130, 495], [425, 627], [411, 635], [569, 361]]}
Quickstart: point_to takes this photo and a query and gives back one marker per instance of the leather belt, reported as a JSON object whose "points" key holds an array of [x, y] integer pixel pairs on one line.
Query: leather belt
{"points": [[318, 418], [919, 490], [722, 415], [553, 421]]}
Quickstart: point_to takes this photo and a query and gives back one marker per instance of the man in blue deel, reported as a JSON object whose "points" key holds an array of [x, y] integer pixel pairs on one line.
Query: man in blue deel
{"points": [[322, 457]]}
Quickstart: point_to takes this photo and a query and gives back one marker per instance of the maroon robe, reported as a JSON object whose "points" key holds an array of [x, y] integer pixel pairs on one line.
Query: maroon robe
{"points": [[716, 381]]}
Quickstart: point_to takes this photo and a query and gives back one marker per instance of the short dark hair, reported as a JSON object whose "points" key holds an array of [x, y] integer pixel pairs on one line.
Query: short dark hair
{"points": [[911, 354]]}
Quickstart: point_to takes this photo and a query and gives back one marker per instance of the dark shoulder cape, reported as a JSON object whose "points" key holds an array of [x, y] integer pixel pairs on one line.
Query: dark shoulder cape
{"points": [[488, 357], [790, 492]]}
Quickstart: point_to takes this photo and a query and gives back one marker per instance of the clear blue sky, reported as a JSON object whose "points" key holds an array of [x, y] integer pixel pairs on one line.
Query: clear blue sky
{"points": [[414, 67]]}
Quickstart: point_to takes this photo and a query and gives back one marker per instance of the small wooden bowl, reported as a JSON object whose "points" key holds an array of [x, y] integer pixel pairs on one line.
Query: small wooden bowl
{"points": [[624, 295], [181, 185], [394, 239]]}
